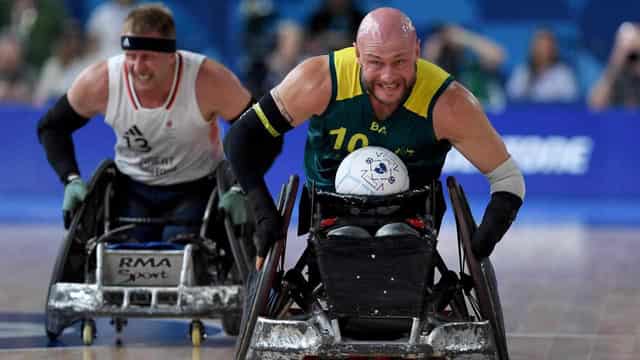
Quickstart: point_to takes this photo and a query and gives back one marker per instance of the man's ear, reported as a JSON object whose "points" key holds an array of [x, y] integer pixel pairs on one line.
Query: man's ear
{"points": [[355, 46]]}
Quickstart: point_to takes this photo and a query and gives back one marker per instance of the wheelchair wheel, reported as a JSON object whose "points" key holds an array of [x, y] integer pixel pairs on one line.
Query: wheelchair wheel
{"points": [[231, 323], [197, 333], [88, 331], [260, 284], [69, 264], [484, 297]]}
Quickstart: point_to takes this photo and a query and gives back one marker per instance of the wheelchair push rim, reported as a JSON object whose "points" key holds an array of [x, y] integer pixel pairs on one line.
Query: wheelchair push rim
{"points": [[53, 328], [265, 277], [487, 302]]}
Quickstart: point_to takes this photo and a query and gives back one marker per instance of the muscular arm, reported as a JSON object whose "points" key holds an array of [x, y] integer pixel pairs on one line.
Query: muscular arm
{"points": [[219, 92], [305, 91], [86, 98], [89, 92], [459, 119]]}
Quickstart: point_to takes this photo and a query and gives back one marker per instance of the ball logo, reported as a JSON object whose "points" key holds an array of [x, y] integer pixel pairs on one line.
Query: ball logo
{"points": [[381, 169], [380, 172]]}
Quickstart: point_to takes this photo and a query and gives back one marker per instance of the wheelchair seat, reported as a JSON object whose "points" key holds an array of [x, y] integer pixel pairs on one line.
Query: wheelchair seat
{"points": [[397, 229], [349, 231], [380, 280]]}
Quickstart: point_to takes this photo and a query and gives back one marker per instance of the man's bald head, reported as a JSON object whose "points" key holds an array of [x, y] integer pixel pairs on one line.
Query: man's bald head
{"points": [[383, 24], [387, 49]]}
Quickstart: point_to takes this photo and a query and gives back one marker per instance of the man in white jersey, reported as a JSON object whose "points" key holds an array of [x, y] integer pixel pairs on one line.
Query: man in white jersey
{"points": [[162, 105]]}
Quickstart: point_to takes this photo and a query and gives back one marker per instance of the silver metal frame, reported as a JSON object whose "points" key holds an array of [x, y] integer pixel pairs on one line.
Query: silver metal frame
{"points": [[318, 336], [191, 301]]}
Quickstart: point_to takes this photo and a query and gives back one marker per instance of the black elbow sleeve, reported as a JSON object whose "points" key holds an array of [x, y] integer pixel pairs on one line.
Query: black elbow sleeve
{"points": [[54, 132], [498, 216], [254, 141]]}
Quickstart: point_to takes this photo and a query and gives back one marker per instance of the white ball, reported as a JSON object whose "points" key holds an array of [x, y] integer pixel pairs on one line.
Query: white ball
{"points": [[372, 170]]}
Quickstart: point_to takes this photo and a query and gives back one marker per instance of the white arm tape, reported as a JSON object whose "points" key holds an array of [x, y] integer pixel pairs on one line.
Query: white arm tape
{"points": [[507, 177]]}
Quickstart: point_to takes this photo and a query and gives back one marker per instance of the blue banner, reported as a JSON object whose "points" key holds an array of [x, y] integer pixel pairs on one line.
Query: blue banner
{"points": [[565, 150], [562, 150]]}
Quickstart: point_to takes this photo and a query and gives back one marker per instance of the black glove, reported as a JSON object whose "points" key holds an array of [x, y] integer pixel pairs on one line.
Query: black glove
{"points": [[269, 228], [497, 219]]}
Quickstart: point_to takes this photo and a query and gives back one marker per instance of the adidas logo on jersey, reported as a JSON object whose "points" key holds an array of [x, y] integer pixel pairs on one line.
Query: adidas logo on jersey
{"points": [[136, 141]]}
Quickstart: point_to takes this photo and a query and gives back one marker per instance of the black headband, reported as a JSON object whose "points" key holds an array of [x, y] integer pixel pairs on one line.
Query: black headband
{"points": [[148, 44]]}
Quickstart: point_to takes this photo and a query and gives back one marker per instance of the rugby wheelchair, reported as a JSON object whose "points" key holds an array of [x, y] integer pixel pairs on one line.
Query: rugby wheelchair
{"points": [[372, 284], [100, 272]]}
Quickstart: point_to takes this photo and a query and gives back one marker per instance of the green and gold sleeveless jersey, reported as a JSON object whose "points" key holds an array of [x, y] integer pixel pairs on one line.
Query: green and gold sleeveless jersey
{"points": [[349, 123]]}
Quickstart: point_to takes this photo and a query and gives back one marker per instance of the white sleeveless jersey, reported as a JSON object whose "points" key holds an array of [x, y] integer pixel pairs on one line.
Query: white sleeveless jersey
{"points": [[166, 145]]}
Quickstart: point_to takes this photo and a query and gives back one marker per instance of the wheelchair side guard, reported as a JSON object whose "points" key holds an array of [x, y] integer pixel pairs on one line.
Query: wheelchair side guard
{"points": [[264, 279], [69, 264], [293, 339], [149, 293], [482, 272]]}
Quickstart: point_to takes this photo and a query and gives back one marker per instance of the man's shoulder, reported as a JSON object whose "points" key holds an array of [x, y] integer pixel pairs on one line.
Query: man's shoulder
{"points": [[90, 90], [192, 56], [96, 73]]}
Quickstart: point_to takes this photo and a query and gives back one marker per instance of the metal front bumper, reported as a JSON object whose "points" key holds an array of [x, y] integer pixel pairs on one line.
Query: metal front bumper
{"points": [[70, 299], [289, 339]]}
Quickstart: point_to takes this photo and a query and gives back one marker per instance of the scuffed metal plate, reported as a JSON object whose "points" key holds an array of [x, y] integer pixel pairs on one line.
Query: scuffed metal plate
{"points": [[288, 339], [88, 299]]}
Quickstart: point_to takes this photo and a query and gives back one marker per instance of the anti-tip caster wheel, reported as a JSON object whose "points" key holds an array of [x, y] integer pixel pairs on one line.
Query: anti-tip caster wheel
{"points": [[197, 332], [88, 331]]}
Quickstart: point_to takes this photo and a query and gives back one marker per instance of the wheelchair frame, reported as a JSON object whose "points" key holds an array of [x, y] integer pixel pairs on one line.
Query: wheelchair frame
{"points": [[473, 329], [78, 293]]}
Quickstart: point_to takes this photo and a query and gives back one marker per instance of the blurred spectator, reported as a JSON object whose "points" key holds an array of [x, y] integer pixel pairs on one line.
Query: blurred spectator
{"points": [[63, 66], [35, 24], [472, 59], [544, 77], [259, 16], [287, 54], [333, 26], [14, 75], [103, 27], [619, 84]]}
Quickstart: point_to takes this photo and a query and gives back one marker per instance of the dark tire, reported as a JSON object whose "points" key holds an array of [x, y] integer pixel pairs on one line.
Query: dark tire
{"points": [[260, 284], [485, 289], [69, 264], [231, 323]]}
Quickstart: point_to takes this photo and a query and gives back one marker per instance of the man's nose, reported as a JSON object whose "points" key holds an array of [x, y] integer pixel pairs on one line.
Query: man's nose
{"points": [[139, 65], [387, 73]]}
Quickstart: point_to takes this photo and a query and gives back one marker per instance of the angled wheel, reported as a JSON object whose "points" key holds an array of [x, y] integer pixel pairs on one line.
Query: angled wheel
{"points": [[231, 323], [260, 284], [483, 297], [69, 264], [119, 324]]}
